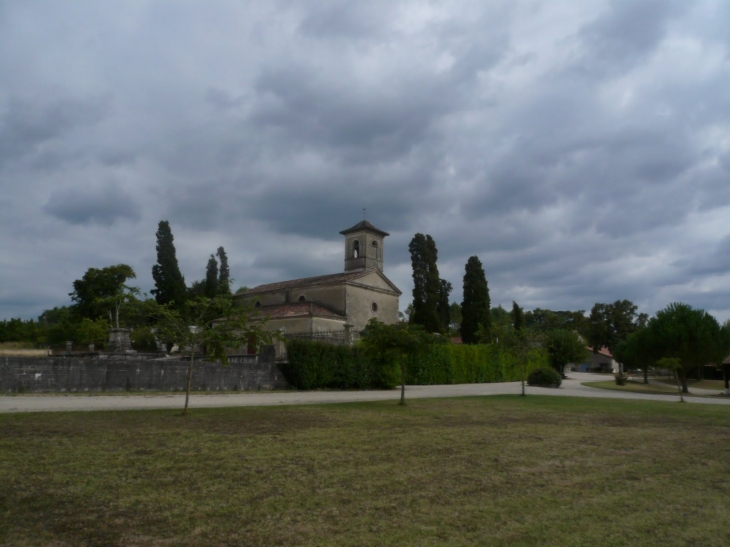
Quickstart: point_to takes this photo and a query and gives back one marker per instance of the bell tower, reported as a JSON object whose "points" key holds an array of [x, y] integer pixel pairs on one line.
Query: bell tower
{"points": [[364, 247]]}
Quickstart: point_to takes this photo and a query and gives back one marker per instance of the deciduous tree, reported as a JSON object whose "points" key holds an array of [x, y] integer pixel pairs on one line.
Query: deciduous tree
{"points": [[211, 323], [609, 324], [399, 341], [563, 347], [97, 293], [692, 336]]}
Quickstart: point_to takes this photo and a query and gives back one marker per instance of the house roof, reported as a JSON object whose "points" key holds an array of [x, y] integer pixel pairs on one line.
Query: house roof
{"points": [[364, 225], [602, 351], [318, 280], [300, 309]]}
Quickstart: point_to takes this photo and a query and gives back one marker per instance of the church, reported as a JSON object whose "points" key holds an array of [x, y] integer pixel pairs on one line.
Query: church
{"points": [[336, 303]]}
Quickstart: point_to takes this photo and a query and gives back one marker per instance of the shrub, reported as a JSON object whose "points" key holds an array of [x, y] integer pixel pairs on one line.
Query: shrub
{"points": [[620, 379], [544, 377]]}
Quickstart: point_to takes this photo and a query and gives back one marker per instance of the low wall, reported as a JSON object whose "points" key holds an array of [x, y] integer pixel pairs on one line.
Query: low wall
{"points": [[70, 374]]}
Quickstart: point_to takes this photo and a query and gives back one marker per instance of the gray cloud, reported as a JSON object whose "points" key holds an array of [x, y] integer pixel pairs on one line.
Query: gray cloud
{"points": [[580, 149], [93, 205]]}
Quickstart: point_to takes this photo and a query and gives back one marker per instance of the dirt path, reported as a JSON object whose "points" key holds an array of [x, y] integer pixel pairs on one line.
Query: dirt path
{"points": [[571, 387]]}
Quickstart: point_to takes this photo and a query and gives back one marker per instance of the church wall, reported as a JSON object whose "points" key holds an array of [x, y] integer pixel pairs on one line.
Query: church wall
{"points": [[329, 296], [374, 280], [359, 307]]}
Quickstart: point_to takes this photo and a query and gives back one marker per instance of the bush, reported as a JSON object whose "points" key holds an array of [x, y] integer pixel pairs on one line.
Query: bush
{"points": [[620, 379], [544, 377], [143, 339]]}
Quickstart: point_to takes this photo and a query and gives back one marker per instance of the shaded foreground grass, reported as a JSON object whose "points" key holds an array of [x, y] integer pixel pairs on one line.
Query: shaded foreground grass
{"points": [[468, 471]]}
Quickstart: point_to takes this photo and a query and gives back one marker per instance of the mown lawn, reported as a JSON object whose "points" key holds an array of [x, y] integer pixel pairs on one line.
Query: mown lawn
{"points": [[474, 471], [635, 386]]}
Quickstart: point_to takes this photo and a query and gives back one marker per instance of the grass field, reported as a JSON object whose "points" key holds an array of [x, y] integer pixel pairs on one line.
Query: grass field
{"points": [[635, 386], [718, 385], [473, 471]]}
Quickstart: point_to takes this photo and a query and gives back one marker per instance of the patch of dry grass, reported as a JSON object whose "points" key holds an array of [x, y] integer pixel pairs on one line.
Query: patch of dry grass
{"points": [[477, 471]]}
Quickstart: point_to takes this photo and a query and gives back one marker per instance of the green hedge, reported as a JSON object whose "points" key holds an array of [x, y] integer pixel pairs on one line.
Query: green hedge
{"points": [[469, 364], [317, 365]]}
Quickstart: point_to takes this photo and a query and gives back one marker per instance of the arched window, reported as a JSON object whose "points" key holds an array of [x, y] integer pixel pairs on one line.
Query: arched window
{"points": [[356, 249], [376, 250], [301, 298], [374, 307], [257, 304]]}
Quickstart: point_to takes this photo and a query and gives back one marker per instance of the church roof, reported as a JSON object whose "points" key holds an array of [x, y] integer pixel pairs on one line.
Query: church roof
{"points": [[299, 309], [318, 280], [306, 281], [364, 225]]}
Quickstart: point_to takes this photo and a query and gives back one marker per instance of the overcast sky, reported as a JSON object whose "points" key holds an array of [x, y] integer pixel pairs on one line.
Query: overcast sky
{"points": [[580, 148]]}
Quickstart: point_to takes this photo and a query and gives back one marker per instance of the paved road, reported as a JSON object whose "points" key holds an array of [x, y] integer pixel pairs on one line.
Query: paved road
{"points": [[571, 387]]}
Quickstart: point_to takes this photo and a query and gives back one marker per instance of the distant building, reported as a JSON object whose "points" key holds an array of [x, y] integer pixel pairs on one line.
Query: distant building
{"points": [[339, 304], [602, 361]]}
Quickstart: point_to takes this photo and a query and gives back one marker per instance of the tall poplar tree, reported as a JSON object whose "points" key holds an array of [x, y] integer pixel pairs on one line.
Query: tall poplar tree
{"points": [[211, 278], [169, 282], [224, 274], [444, 308], [426, 282], [475, 309]]}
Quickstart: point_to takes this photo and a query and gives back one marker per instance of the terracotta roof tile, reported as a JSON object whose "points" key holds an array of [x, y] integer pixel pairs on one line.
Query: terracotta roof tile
{"points": [[300, 309]]}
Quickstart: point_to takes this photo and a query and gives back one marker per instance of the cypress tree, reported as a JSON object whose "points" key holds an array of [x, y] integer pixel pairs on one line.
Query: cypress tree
{"points": [[517, 317], [224, 274], [211, 278], [426, 282], [475, 309], [169, 282]]}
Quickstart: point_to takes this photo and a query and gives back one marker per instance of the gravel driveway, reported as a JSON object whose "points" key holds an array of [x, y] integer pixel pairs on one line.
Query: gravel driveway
{"points": [[571, 387]]}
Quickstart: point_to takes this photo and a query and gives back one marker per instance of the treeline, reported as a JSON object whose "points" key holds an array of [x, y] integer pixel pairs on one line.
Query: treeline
{"points": [[691, 339], [104, 298]]}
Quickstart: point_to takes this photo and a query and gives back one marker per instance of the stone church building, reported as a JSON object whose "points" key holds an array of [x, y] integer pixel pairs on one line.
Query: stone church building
{"points": [[336, 304]]}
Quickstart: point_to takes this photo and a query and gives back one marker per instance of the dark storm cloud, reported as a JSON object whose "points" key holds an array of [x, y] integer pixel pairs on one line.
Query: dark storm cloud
{"points": [[93, 205]]}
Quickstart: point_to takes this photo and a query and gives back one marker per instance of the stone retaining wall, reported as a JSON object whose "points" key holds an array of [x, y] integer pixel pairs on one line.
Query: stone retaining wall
{"points": [[71, 374]]}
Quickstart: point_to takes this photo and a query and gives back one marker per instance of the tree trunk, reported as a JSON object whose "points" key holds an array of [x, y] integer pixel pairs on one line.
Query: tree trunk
{"points": [[190, 380], [679, 388], [726, 377], [685, 388], [524, 370], [646, 375], [402, 381]]}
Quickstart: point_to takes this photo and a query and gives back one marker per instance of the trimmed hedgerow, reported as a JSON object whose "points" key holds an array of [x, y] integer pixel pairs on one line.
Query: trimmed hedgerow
{"points": [[544, 377], [469, 364], [317, 365]]}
